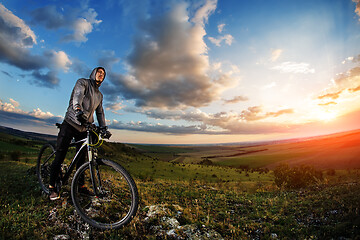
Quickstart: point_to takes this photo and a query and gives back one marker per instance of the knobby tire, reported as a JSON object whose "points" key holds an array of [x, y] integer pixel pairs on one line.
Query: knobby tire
{"points": [[117, 203]]}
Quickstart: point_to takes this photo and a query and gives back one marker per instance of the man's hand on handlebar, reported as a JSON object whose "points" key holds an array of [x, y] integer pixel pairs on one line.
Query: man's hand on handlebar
{"points": [[104, 132]]}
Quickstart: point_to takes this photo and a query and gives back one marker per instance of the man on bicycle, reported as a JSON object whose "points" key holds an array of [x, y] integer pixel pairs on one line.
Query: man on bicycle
{"points": [[85, 99]]}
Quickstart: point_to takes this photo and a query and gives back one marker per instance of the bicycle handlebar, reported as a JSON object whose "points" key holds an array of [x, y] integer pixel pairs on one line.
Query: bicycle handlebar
{"points": [[92, 127]]}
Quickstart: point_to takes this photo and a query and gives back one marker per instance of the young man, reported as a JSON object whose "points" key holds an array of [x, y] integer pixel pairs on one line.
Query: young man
{"points": [[85, 99]]}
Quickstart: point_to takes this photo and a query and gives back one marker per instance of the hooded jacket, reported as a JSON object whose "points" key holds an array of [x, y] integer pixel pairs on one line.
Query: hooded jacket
{"points": [[87, 97]]}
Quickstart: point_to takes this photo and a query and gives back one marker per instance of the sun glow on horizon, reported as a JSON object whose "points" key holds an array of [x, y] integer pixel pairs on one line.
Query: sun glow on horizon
{"points": [[326, 116]]}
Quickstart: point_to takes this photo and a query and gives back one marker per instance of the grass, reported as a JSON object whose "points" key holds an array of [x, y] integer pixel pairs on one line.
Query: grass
{"points": [[235, 209], [238, 204], [20, 203], [256, 161]]}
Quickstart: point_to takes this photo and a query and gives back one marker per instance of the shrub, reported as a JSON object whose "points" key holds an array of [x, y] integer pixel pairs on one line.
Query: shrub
{"points": [[296, 177]]}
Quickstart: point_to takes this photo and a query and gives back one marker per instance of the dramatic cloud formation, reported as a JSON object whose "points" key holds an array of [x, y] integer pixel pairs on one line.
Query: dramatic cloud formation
{"points": [[16, 41], [14, 30], [159, 128], [218, 123], [169, 66], [79, 25]]}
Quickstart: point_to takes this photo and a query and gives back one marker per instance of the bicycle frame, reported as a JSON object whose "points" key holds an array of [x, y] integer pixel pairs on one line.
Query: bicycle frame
{"points": [[86, 142]]}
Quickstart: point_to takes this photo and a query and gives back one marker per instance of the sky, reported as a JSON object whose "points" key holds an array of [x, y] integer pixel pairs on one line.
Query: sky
{"points": [[185, 71]]}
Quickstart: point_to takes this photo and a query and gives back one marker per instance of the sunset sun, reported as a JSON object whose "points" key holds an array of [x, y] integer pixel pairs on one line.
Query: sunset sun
{"points": [[326, 116]]}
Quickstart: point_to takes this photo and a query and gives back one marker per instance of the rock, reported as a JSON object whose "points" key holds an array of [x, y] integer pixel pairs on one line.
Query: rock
{"points": [[62, 237], [195, 233], [164, 223], [274, 236]]}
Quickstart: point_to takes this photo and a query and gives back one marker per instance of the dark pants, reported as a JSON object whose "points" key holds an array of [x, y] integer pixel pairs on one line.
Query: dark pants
{"points": [[67, 132]]}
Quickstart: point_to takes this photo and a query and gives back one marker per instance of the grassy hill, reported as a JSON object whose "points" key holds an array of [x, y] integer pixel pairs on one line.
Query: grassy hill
{"points": [[204, 199]]}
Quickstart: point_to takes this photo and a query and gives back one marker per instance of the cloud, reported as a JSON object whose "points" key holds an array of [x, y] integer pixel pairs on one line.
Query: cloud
{"points": [[327, 104], [107, 59], [228, 39], [10, 107], [236, 99], [40, 114], [246, 122], [221, 27], [14, 103], [354, 89], [292, 67], [115, 107], [202, 14], [80, 67], [270, 85], [169, 66], [330, 95], [59, 60], [49, 17], [49, 79], [256, 113], [14, 30], [357, 9], [80, 22], [7, 74], [278, 113], [16, 40], [350, 79], [10, 114], [159, 128], [275, 54]]}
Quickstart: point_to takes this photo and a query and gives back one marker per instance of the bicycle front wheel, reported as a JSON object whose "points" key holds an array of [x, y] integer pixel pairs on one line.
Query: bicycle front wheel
{"points": [[109, 199], [43, 166]]}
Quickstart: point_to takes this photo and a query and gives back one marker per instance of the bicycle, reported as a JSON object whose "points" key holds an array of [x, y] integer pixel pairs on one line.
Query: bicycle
{"points": [[112, 200]]}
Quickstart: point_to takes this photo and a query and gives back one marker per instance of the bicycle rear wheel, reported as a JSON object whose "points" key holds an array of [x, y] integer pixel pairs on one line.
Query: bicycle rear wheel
{"points": [[116, 200], [45, 158]]}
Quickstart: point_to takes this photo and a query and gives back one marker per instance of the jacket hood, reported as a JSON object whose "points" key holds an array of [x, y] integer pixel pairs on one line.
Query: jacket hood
{"points": [[93, 73]]}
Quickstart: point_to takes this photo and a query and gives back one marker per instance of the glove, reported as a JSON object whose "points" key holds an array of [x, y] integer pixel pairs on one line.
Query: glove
{"points": [[104, 132], [80, 116]]}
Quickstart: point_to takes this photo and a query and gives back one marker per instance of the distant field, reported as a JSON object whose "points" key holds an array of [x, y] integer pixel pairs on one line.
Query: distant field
{"points": [[338, 151]]}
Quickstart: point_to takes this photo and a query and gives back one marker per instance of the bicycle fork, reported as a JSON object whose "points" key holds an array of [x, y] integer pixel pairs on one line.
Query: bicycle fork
{"points": [[94, 171]]}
